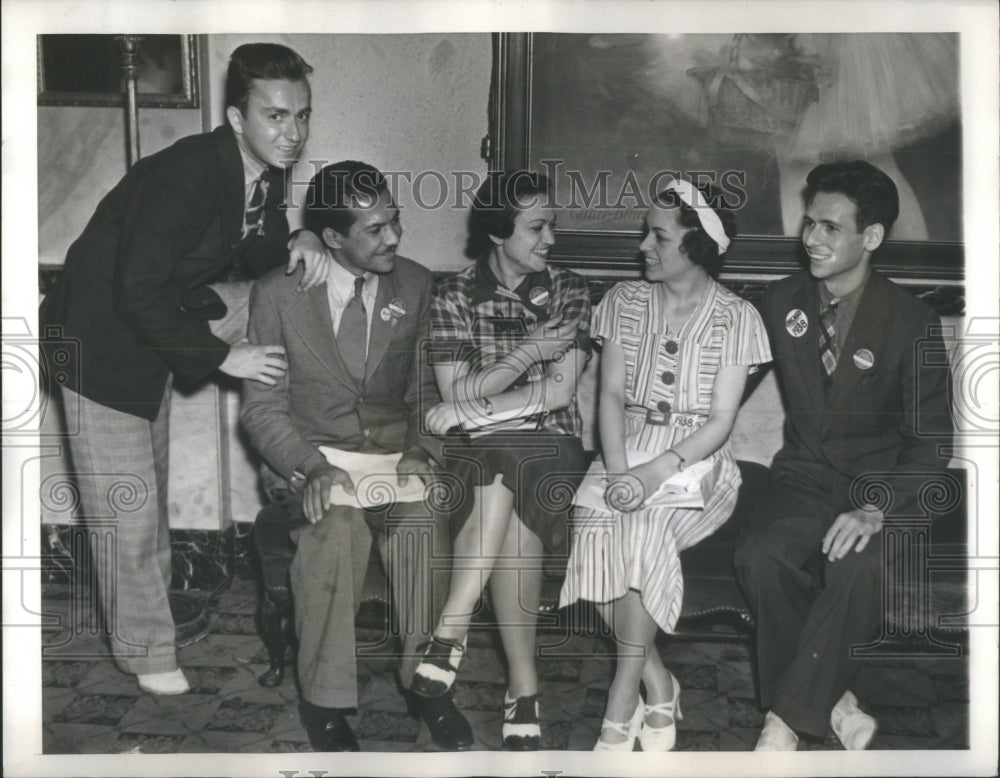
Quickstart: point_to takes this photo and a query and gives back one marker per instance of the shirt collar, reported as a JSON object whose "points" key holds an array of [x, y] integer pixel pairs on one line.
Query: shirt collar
{"points": [[252, 169], [845, 301], [342, 279], [534, 291]]}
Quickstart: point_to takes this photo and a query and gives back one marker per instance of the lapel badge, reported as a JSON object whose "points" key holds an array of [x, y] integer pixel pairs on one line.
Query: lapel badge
{"points": [[394, 310], [538, 296], [864, 359], [796, 322]]}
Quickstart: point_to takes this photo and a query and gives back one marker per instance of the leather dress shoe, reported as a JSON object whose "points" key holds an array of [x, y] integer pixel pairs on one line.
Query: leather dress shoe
{"points": [[327, 728], [448, 727]]}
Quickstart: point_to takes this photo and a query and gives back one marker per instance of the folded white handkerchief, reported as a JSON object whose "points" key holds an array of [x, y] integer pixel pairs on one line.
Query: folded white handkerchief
{"points": [[688, 488]]}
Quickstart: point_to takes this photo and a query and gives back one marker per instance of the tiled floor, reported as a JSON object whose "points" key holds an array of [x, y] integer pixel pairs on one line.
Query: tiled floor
{"points": [[90, 707]]}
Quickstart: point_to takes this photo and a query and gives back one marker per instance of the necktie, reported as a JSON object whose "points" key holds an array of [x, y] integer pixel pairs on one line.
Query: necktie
{"points": [[352, 336], [828, 341], [253, 219]]}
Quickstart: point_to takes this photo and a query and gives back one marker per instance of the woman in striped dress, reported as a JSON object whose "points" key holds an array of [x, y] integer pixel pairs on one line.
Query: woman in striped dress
{"points": [[676, 351]]}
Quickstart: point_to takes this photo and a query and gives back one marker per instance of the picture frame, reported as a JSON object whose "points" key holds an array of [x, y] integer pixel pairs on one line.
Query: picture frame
{"points": [[526, 111], [85, 70]]}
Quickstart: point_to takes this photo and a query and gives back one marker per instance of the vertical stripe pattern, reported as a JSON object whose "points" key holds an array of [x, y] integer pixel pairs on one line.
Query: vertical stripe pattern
{"points": [[613, 552]]}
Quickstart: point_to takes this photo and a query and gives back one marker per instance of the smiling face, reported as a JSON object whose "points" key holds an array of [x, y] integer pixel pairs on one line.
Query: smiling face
{"points": [[527, 249], [371, 241], [661, 248], [276, 124], [838, 253]]}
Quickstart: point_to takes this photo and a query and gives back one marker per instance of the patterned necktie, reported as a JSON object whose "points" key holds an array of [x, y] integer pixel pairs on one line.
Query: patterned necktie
{"points": [[828, 341], [352, 336], [253, 219]]}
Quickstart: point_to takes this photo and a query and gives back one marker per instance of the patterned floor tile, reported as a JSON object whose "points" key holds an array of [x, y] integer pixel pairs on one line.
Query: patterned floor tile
{"points": [[905, 720], [735, 679], [208, 680], [556, 734], [289, 747], [745, 713], [217, 742], [236, 715], [737, 738], [78, 739], [703, 677], [65, 674], [219, 651], [594, 703], [137, 743], [54, 701], [105, 678], [382, 693], [95, 709], [479, 696], [180, 715], [383, 725], [950, 688], [697, 740], [704, 710]]}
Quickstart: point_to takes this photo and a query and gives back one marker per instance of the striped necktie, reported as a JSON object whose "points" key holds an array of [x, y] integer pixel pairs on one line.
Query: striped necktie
{"points": [[352, 334], [828, 340]]}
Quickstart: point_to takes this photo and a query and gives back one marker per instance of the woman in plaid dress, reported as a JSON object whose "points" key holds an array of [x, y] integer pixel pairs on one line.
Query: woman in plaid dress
{"points": [[676, 352], [510, 336]]}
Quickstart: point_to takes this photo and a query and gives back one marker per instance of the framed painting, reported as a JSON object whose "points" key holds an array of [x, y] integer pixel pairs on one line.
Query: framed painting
{"points": [[610, 116], [86, 70]]}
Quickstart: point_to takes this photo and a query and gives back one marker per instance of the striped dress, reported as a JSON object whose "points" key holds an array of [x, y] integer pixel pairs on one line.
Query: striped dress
{"points": [[668, 394]]}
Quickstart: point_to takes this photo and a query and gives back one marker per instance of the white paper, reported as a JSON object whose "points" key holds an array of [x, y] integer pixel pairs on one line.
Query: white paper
{"points": [[374, 477], [684, 489]]}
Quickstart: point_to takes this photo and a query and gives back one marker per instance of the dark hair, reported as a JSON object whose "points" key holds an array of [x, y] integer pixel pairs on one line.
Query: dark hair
{"points": [[333, 191], [261, 60], [497, 203], [697, 245], [873, 193]]}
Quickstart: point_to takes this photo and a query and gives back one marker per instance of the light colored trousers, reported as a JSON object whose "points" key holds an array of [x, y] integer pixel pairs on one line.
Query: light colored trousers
{"points": [[120, 463]]}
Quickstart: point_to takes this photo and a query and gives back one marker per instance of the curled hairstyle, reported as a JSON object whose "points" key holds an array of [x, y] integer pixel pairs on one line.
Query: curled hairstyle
{"points": [[264, 61], [873, 193], [697, 245], [496, 205], [336, 190]]}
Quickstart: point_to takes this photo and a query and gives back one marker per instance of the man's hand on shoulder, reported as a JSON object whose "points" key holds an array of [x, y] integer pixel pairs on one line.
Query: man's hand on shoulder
{"points": [[316, 495], [307, 248], [259, 363], [852, 530], [413, 462]]}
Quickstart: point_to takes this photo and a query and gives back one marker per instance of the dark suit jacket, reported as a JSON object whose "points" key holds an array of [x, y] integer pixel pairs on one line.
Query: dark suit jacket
{"points": [[172, 224], [887, 419], [317, 402]]}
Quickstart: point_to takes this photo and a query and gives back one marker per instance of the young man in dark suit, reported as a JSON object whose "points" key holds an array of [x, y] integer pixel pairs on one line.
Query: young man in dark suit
{"points": [[861, 407], [354, 383], [156, 287]]}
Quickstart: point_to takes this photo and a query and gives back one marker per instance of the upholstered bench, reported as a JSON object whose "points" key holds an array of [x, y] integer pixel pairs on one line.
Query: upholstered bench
{"points": [[925, 610]]}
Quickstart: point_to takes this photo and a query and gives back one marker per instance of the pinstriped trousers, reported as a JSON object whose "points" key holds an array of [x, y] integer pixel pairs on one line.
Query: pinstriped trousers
{"points": [[120, 464]]}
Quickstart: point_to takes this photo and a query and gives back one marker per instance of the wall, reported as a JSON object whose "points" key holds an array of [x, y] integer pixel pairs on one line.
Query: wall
{"points": [[404, 103]]}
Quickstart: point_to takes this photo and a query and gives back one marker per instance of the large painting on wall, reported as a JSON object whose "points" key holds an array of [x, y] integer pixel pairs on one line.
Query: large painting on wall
{"points": [[611, 115]]}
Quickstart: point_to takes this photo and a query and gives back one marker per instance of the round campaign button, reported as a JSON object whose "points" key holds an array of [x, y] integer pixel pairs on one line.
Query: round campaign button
{"points": [[396, 307], [386, 314], [538, 295], [796, 322], [864, 359]]}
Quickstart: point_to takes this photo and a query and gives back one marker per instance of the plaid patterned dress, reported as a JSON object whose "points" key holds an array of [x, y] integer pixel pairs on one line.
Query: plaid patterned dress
{"points": [[475, 319], [669, 378]]}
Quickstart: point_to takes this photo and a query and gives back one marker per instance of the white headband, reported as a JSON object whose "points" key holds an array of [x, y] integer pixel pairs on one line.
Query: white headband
{"points": [[710, 221]]}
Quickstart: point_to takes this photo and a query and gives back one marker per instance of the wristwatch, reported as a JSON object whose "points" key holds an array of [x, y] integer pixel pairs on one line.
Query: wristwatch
{"points": [[487, 405]]}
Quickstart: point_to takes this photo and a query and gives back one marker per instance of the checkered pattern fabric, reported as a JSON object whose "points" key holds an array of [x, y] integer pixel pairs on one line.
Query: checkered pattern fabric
{"points": [[828, 339], [476, 319]]}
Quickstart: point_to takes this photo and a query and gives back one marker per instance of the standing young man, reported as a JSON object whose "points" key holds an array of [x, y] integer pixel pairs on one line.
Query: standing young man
{"points": [[859, 404], [155, 288]]}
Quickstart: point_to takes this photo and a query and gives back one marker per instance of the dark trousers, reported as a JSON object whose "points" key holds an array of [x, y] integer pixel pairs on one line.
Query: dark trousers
{"points": [[809, 611]]}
